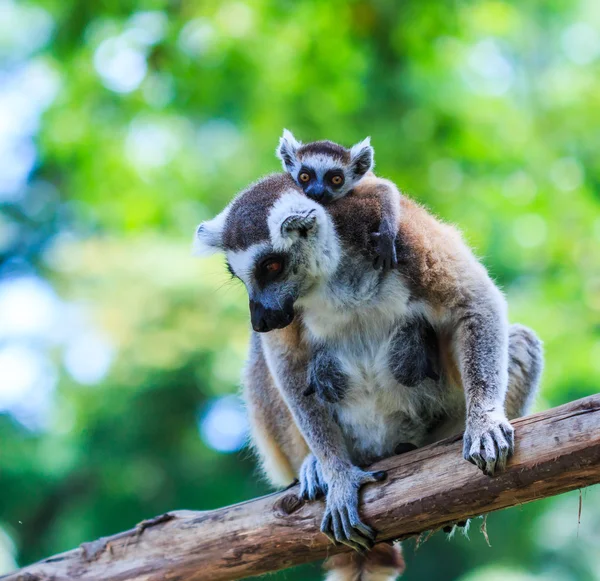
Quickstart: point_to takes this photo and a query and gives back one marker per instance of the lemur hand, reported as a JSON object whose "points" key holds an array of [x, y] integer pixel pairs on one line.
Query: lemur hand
{"points": [[312, 482], [341, 522], [385, 243], [488, 441]]}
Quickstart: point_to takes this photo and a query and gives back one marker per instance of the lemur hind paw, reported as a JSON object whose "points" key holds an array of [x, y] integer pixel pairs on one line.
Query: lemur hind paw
{"points": [[385, 247], [488, 442], [341, 522], [312, 483]]}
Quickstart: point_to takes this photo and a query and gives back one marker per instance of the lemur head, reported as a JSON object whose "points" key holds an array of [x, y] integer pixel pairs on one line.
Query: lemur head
{"points": [[325, 170], [278, 242]]}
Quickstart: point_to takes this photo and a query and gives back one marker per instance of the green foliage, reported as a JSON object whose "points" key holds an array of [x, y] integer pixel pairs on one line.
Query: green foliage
{"points": [[146, 117]]}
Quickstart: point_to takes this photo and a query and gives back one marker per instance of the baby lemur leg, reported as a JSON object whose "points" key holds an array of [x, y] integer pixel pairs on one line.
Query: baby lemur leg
{"points": [[385, 239], [525, 365], [325, 376], [414, 353]]}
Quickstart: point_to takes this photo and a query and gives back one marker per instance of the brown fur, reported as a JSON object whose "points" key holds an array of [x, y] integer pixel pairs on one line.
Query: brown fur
{"points": [[246, 222], [385, 561]]}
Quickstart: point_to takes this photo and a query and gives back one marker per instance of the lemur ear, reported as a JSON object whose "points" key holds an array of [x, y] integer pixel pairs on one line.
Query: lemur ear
{"points": [[361, 157], [209, 236], [286, 151]]}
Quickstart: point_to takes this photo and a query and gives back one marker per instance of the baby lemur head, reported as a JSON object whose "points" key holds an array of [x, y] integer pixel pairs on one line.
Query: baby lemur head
{"points": [[278, 242], [324, 170]]}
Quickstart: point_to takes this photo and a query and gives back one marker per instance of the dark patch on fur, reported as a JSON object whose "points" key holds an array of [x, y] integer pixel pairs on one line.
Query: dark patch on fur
{"points": [[325, 376], [414, 354], [246, 222], [328, 148]]}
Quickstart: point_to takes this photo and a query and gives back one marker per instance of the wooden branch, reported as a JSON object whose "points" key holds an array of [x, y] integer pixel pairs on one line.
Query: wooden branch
{"points": [[557, 451]]}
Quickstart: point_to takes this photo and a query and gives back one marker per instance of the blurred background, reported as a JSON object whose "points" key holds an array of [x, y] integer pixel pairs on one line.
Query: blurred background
{"points": [[125, 123]]}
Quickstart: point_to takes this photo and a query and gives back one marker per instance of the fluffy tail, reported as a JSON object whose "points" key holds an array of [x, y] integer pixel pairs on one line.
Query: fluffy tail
{"points": [[384, 563], [525, 365]]}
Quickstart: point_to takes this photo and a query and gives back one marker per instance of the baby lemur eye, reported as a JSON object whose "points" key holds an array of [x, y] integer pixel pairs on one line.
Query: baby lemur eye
{"points": [[337, 180], [304, 177]]}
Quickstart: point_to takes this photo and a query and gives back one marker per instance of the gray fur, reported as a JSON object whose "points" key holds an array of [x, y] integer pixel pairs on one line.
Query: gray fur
{"points": [[353, 318]]}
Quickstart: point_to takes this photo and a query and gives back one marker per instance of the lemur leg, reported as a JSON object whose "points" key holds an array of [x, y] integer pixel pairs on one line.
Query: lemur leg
{"points": [[414, 353], [384, 563], [481, 349], [287, 358], [280, 445], [525, 365], [385, 239], [312, 481], [325, 376]]}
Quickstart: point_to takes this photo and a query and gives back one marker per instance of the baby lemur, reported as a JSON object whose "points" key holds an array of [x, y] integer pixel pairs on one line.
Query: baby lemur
{"points": [[328, 172], [310, 284]]}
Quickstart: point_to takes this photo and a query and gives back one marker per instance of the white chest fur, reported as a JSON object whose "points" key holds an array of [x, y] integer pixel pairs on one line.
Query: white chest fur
{"points": [[357, 321]]}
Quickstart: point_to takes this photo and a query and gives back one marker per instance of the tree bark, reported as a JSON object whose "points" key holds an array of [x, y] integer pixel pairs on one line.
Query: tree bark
{"points": [[556, 451]]}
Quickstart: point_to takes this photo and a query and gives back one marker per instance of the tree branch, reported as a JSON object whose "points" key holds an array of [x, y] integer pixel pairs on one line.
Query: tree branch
{"points": [[557, 451]]}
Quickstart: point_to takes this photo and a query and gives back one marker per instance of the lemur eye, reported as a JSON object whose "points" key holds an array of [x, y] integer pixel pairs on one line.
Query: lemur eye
{"points": [[304, 177], [273, 266], [337, 180]]}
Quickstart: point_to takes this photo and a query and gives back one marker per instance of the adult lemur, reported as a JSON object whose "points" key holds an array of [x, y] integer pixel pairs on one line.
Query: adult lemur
{"points": [[309, 282]]}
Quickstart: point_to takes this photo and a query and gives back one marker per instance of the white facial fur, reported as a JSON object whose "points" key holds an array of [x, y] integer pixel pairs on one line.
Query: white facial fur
{"points": [[242, 261], [208, 238]]}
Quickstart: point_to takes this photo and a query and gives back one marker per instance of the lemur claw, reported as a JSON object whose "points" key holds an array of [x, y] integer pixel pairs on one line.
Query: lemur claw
{"points": [[488, 443]]}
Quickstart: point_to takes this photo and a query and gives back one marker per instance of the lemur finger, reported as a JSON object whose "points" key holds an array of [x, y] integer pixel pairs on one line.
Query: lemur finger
{"points": [[467, 448], [338, 529], [365, 530], [488, 453], [377, 476], [509, 434], [326, 527], [503, 448], [353, 533], [475, 455]]}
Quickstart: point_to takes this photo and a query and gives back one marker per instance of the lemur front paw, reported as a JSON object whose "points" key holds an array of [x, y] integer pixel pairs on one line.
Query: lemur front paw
{"points": [[341, 522], [385, 247], [326, 378], [312, 483], [488, 441]]}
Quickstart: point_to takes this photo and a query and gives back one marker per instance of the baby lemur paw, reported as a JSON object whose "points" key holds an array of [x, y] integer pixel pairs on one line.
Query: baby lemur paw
{"points": [[385, 247], [312, 483], [341, 522], [326, 378], [488, 441]]}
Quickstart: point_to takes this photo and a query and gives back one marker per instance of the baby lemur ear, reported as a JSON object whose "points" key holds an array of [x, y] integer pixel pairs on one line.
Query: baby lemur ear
{"points": [[209, 236], [286, 151], [361, 157]]}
